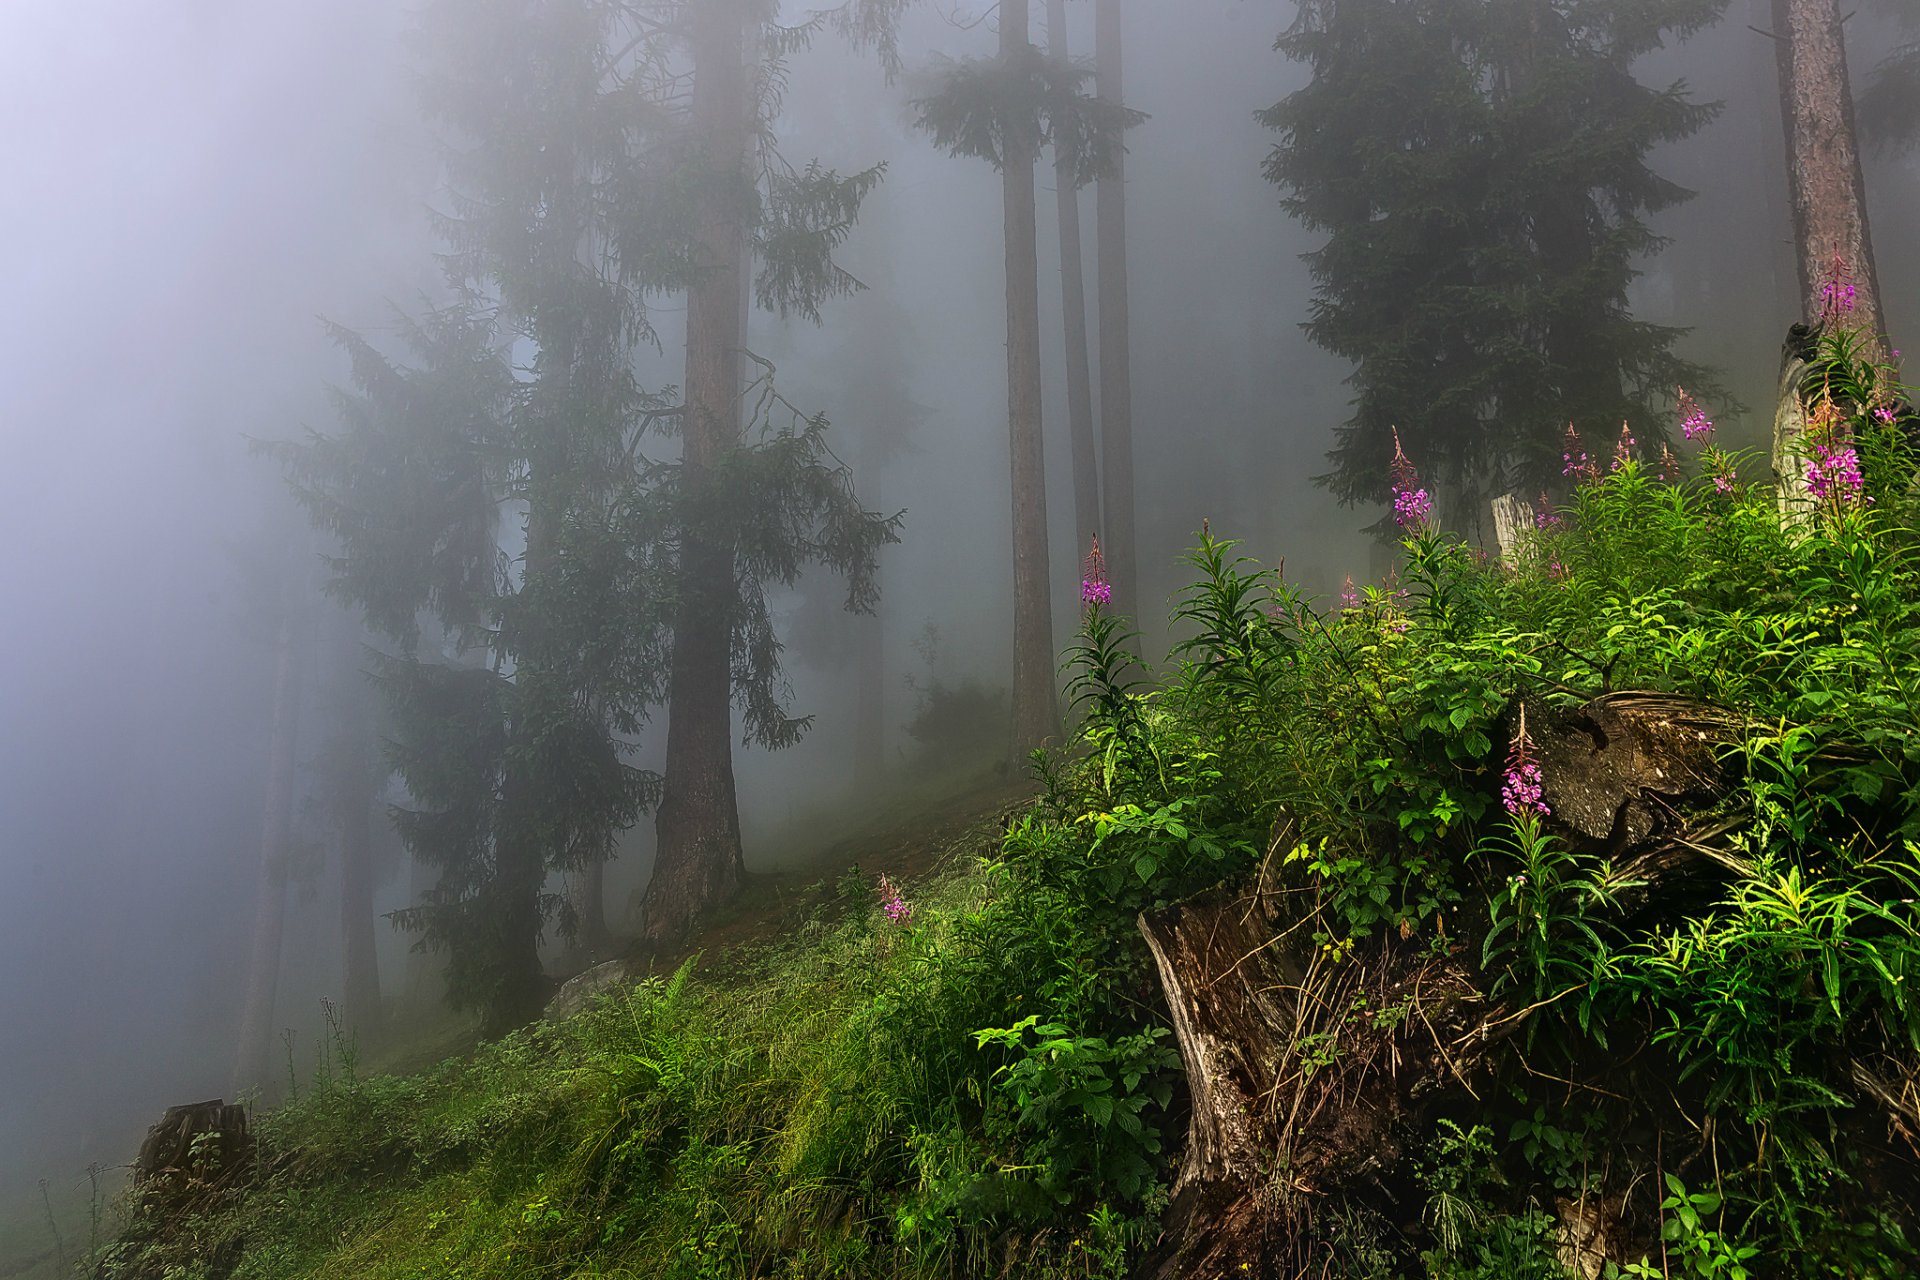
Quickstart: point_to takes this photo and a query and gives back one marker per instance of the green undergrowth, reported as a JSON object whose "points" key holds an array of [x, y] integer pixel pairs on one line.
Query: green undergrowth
{"points": [[1693, 1042]]}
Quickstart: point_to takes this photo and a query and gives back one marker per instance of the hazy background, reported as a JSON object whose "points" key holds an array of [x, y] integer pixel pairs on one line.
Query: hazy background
{"points": [[191, 184]]}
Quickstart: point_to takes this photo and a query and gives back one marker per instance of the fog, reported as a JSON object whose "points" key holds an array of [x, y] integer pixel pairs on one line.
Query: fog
{"points": [[193, 185]]}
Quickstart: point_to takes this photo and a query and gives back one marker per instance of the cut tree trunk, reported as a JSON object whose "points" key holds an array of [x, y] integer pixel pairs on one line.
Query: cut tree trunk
{"points": [[1827, 192], [1790, 428], [1294, 1098], [698, 863], [1118, 533], [1036, 716], [1073, 297]]}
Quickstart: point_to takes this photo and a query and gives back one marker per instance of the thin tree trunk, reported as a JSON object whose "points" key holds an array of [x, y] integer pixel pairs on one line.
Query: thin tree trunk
{"points": [[1116, 361], [255, 1047], [589, 887], [1823, 157], [1035, 710], [1073, 294], [698, 863], [359, 951], [869, 647]]}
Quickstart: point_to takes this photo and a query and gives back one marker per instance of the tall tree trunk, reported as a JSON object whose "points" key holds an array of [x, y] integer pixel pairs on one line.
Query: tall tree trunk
{"points": [[358, 949], [869, 646], [1035, 706], [1116, 359], [255, 1047], [698, 863], [589, 896], [1073, 295], [1823, 157]]}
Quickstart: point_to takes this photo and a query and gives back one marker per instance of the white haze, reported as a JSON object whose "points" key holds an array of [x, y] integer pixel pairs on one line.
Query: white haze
{"points": [[191, 184]]}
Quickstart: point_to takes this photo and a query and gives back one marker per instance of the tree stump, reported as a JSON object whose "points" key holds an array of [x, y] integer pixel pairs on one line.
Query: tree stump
{"points": [[1305, 1069], [199, 1146]]}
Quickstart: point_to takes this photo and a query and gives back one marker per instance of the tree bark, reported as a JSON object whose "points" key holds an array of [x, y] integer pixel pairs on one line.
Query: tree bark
{"points": [[1118, 539], [358, 949], [1823, 158], [255, 1046], [1073, 295], [589, 887], [1036, 715], [698, 863]]}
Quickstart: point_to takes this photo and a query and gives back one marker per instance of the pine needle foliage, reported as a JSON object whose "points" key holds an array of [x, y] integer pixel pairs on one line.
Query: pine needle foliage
{"points": [[1479, 168], [509, 503]]}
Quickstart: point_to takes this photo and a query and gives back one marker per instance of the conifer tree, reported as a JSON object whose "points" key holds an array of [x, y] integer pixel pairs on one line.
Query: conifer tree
{"points": [[1004, 111], [1480, 170], [553, 551]]}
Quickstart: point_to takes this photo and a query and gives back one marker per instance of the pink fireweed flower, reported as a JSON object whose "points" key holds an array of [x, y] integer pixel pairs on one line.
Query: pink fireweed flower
{"points": [[898, 910], [1574, 459], [1520, 790], [1349, 598], [1838, 293], [1412, 504], [1094, 587], [1623, 448], [1884, 415], [1833, 473], [1694, 422], [1544, 516], [1669, 465]]}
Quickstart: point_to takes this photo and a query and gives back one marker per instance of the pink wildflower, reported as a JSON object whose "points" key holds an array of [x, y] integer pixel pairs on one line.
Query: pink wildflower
{"points": [[1349, 598], [1623, 448], [1544, 516], [1094, 587], [1412, 504], [1833, 473], [898, 910], [1669, 465], [1520, 791], [1837, 291], [1694, 422], [1574, 458]]}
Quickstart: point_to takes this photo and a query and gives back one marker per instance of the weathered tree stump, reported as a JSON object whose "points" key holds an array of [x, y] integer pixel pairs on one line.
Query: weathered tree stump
{"points": [[197, 1146], [1305, 1072]]}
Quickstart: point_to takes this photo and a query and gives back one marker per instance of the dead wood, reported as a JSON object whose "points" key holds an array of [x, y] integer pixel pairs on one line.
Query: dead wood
{"points": [[1306, 1071]]}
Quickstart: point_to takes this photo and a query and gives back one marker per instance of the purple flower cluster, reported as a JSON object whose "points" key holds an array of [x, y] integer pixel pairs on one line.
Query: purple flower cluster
{"points": [[898, 910], [1623, 448], [1838, 295], [1412, 504], [1833, 472], [1694, 422], [1574, 459], [1521, 789], [1094, 587]]}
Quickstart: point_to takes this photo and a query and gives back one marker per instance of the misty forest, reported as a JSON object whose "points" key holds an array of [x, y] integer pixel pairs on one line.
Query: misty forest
{"points": [[891, 639]]}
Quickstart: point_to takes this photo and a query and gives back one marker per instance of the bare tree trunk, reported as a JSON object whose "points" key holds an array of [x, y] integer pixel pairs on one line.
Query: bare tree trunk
{"points": [[869, 648], [1116, 360], [1823, 157], [1035, 707], [589, 894], [255, 1046], [1073, 294], [698, 863], [359, 952]]}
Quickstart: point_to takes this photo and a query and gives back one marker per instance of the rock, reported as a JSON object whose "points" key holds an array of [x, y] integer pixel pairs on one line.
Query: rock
{"points": [[577, 992]]}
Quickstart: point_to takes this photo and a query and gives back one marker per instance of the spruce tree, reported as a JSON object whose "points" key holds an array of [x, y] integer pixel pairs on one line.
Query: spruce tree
{"points": [[1480, 170], [553, 551], [1003, 111]]}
